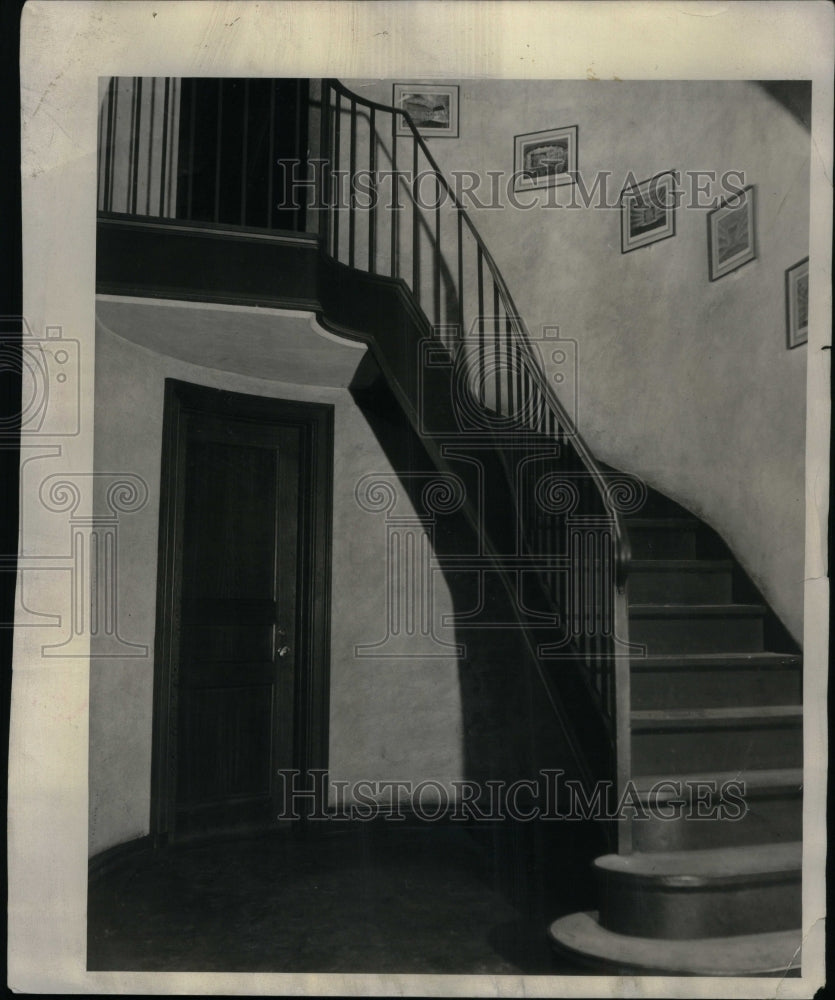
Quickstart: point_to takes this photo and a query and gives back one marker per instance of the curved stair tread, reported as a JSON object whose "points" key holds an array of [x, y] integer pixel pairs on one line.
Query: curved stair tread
{"points": [[663, 718], [734, 659], [642, 521], [696, 610], [693, 868], [773, 953], [777, 779], [692, 565]]}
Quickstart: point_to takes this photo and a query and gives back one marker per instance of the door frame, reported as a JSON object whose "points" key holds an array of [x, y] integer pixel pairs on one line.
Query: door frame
{"points": [[311, 709]]}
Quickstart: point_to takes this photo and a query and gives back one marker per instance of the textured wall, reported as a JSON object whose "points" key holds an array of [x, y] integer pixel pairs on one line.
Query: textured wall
{"points": [[390, 717], [683, 381]]}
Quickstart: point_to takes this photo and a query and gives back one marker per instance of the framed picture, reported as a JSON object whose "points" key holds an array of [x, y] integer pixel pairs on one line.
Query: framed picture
{"points": [[797, 304], [545, 159], [432, 107], [730, 234], [647, 212]]}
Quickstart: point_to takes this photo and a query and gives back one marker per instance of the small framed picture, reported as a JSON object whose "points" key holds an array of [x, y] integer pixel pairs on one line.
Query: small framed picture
{"points": [[730, 234], [545, 159], [797, 304], [647, 212], [432, 107]]}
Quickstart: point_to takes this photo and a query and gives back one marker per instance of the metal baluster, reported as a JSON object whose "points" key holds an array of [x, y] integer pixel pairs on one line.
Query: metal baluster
{"points": [[108, 158], [218, 147], [337, 128], [508, 353], [244, 151], [151, 151], [437, 272], [497, 360], [191, 128], [460, 228], [520, 399], [352, 167], [299, 207], [165, 111], [415, 228], [481, 331], [552, 536], [395, 222], [271, 153], [135, 115], [372, 211]]}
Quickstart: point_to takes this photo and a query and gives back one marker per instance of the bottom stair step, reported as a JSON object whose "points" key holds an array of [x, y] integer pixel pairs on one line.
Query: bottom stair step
{"points": [[580, 937], [707, 893]]}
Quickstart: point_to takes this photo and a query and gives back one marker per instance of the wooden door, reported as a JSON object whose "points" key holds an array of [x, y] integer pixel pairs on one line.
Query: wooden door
{"points": [[237, 621], [242, 632]]}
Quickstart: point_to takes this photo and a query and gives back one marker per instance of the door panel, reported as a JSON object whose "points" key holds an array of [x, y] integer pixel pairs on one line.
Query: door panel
{"points": [[244, 556], [235, 697]]}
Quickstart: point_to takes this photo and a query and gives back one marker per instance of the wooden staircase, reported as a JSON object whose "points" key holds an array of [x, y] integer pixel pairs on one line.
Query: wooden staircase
{"points": [[705, 887]]}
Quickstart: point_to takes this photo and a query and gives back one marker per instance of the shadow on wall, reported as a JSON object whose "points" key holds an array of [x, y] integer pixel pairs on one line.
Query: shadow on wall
{"points": [[510, 730]]}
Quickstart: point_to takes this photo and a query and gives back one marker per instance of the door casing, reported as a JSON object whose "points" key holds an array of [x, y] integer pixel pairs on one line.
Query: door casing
{"points": [[311, 709]]}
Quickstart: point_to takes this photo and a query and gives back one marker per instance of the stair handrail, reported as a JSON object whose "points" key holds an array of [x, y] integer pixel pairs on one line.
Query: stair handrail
{"points": [[622, 548]]}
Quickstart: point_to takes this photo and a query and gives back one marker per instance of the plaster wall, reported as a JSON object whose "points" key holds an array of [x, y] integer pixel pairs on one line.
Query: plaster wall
{"points": [[390, 717], [683, 381]]}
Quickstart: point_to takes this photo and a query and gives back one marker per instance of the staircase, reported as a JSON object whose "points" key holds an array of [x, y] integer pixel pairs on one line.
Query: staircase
{"points": [[696, 684], [713, 707], [668, 675]]}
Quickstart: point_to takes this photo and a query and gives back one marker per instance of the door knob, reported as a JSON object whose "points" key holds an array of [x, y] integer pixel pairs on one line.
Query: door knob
{"points": [[282, 651]]}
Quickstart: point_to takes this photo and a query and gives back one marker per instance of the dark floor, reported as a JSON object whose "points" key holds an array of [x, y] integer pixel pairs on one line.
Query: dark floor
{"points": [[375, 897]]}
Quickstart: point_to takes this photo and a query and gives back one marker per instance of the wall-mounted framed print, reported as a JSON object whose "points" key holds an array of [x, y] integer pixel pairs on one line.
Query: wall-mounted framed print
{"points": [[545, 159], [797, 304], [433, 107], [731, 234], [648, 212]]}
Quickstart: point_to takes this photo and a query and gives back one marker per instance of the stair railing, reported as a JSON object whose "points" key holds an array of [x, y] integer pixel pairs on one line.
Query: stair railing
{"points": [[389, 210]]}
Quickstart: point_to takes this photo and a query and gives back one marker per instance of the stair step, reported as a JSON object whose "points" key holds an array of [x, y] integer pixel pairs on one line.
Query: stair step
{"points": [[685, 740], [714, 680], [697, 628], [702, 809], [580, 937], [707, 893], [680, 581], [662, 537]]}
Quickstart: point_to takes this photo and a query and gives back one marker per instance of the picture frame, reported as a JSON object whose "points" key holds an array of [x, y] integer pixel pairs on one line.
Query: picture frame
{"points": [[545, 159], [731, 234], [433, 107], [797, 304], [648, 211]]}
